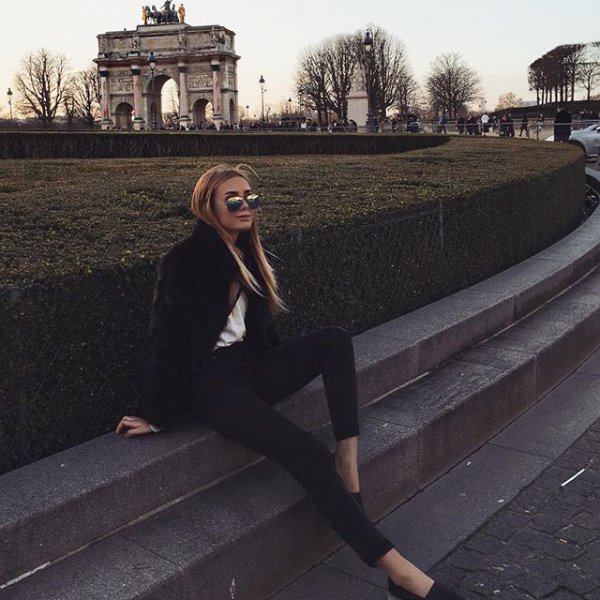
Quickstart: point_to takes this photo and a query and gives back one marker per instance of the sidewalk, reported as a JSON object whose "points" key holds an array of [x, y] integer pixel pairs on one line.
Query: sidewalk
{"points": [[545, 543], [499, 525]]}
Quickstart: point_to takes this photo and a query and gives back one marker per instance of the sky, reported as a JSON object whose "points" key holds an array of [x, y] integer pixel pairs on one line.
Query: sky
{"points": [[496, 39]]}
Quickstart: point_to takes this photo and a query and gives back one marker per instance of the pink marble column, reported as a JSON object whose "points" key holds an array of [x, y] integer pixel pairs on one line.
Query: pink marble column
{"points": [[105, 100], [183, 97], [216, 73], [137, 94]]}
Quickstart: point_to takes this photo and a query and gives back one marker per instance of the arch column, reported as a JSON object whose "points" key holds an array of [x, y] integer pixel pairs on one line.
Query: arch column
{"points": [[138, 120], [184, 109], [107, 122], [217, 110]]}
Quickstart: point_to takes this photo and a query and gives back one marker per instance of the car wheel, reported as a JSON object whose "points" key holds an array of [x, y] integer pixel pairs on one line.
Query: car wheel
{"points": [[592, 192]]}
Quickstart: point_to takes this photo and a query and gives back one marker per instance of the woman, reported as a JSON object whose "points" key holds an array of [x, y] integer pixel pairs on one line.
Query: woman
{"points": [[214, 350]]}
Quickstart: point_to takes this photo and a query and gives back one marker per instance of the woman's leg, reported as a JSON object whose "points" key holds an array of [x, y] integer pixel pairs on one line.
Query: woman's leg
{"points": [[238, 414], [328, 352], [346, 463]]}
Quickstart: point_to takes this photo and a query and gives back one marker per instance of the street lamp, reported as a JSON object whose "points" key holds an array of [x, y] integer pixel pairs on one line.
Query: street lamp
{"points": [[368, 44], [261, 82], [9, 95], [152, 62]]}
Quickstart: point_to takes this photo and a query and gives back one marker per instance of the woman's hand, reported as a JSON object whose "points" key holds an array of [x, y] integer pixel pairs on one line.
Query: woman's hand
{"points": [[133, 426]]}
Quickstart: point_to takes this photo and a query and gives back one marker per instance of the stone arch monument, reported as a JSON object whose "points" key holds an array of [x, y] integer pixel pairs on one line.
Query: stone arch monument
{"points": [[201, 60]]}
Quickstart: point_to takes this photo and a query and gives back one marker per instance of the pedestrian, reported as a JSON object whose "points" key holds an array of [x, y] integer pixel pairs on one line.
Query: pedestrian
{"points": [[215, 352], [460, 124], [562, 125], [472, 128], [540, 124], [485, 123], [504, 126], [441, 124], [510, 126], [524, 125]]}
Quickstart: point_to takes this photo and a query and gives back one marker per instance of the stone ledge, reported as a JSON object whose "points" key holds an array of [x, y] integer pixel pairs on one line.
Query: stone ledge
{"points": [[195, 548], [58, 504]]}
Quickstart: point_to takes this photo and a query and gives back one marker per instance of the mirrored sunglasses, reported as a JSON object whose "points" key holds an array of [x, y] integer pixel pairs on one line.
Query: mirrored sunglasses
{"points": [[236, 202]]}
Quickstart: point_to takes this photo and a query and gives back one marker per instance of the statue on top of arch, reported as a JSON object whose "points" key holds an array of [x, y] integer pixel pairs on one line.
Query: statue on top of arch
{"points": [[167, 14]]}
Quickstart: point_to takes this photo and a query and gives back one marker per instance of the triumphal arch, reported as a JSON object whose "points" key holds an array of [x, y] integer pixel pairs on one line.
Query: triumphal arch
{"points": [[134, 66]]}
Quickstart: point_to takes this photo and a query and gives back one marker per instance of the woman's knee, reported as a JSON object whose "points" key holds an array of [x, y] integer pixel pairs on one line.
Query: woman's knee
{"points": [[336, 337]]}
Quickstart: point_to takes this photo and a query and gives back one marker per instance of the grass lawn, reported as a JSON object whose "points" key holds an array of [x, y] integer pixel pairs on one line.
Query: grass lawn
{"points": [[66, 217]]}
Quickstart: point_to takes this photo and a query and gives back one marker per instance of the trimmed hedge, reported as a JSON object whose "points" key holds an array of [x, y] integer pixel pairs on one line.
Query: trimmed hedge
{"points": [[59, 144], [359, 240]]}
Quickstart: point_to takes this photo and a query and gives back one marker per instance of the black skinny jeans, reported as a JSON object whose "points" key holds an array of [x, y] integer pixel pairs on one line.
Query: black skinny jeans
{"points": [[237, 391]]}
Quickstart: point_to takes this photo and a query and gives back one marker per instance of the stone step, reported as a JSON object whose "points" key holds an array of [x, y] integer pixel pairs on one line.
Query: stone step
{"points": [[58, 505], [259, 529]]}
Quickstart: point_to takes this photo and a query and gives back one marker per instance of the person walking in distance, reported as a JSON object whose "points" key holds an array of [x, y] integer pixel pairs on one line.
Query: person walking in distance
{"points": [[215, 354], [562, 125], [524, 125]]}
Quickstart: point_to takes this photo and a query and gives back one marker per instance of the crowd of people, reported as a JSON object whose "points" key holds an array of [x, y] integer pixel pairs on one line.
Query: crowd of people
{"points": [[502, 125]]}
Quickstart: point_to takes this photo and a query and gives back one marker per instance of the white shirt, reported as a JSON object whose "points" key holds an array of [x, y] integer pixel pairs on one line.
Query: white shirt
{"points": [[235, 329]]}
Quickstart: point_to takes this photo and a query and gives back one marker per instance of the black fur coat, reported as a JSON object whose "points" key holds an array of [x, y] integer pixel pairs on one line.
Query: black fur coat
{"points": [[189, 311]]}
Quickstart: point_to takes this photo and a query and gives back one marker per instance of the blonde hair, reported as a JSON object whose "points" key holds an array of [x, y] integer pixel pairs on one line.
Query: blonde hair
{"points": [[202, 206]]}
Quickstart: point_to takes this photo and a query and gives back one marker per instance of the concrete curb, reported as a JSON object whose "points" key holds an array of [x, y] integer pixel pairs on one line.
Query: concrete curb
{"points": [[59, 504]]}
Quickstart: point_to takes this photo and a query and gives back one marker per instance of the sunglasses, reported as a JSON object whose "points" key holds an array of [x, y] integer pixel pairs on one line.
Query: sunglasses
{"points": [[236, 202]]}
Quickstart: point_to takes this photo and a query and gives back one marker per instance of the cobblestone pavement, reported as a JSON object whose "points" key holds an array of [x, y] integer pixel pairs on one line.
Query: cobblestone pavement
{"points": [[545, 543]]}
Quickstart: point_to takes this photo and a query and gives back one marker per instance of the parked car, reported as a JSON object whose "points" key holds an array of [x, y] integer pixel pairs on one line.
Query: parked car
{"points": [[588, 139]]}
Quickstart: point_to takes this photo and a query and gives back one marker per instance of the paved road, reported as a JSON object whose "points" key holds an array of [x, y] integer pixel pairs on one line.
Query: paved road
{"points": [[545, 543]]}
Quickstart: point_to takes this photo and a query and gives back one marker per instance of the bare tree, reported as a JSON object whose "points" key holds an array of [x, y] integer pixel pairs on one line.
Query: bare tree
{"points": [[589, 70], [326, 72], [312, 81], [339, 55], [589, 77], [70, 107], [508, 100], [389, 78], [85, 93], [451, 83], [571, 55], [555, 75], [536, 79], [41, 84]]}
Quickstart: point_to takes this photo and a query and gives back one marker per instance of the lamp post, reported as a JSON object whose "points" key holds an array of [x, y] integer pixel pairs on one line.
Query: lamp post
{"points": [[261, 82], [9, 95], [152, 62], [368, 44]]}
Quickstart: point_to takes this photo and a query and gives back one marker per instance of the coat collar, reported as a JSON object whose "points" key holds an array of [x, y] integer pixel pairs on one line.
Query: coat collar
{"points": [[207, 235], [209, 243]]}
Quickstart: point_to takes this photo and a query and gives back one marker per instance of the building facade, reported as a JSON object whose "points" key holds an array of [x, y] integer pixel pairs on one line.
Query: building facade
{"points": [[135, 65]]}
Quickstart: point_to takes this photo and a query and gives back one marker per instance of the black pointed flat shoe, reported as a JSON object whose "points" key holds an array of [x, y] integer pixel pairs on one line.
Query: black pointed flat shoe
{"points": [[396, 592], [437, 592]]}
